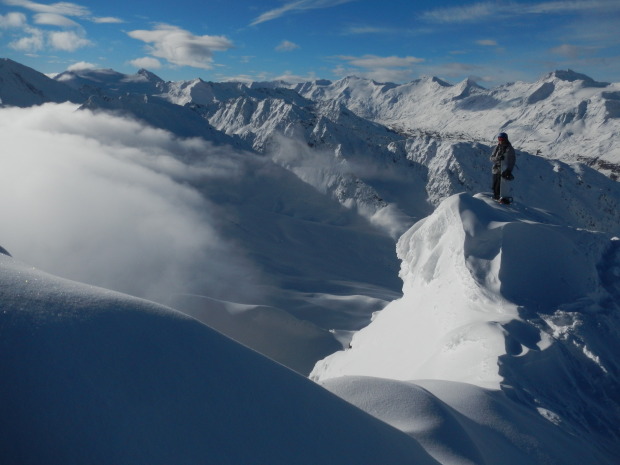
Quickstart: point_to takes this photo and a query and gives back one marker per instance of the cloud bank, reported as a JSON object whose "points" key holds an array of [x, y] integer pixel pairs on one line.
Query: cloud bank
{"points": [[107, 201]]}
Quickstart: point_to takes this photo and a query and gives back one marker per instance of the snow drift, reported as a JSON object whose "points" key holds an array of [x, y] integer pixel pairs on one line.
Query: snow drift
{"points": [[93, 376], [497, 298]]}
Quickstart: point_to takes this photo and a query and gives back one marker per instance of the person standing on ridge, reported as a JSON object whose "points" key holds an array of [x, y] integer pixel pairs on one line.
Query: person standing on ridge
{"points": [[503, 159]]}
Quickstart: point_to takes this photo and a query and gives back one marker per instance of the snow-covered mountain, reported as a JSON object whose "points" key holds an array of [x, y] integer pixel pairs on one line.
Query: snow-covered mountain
{"points": [[274, 213], [564, 115], [24, 87]]}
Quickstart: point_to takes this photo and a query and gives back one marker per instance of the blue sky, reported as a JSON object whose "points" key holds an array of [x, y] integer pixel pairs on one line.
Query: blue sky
{"points": [[492, 42]]}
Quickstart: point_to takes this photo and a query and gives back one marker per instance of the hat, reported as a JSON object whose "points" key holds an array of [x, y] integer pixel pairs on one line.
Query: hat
{"points": [[502, 135]]}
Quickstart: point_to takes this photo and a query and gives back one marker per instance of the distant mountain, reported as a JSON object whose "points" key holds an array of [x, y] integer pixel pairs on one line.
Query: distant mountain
{"points": [[22, 86], [565, 115], [111, 82], [160, 113]]}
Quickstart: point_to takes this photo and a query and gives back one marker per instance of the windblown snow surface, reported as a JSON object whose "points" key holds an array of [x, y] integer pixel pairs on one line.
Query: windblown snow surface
{"points": [[91, 376], [506, 338]]}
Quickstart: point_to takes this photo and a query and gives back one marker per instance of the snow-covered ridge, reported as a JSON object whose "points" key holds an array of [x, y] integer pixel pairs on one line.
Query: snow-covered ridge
{"points": [[499, 299], [23, 87]]}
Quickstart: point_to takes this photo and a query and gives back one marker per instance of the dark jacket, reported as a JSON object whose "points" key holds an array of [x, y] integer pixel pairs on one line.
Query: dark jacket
{"points": [[503, 158]]}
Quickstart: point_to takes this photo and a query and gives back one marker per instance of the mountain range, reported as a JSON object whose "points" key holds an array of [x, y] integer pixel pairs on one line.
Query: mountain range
{"points": [[343, 229]]}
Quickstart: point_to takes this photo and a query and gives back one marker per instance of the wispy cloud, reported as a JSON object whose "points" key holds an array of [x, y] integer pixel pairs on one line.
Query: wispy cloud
{"points": [[574, 51], [61, 8], [485, 10], [180, 47], [354, 30], [81, 65], [382, 69], [12, 20], [53, 19], [286, 46], [487, 42], [460, 14], [295, 7], [288, 76], [374, 61], [146, 62], [106, 20]]}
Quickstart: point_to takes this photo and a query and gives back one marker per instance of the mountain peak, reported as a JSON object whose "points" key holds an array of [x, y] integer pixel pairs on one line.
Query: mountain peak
{"points": [[426, 79], [572, 76], [149, 75], [23, 86]]}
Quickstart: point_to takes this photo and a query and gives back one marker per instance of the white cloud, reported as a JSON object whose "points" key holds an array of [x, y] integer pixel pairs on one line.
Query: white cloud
{"points": [[354, 30], [12, 20], [296, 6], [487, 42], [290, 77], [459, 14], [382, 69], [67, 41], [60, 8], [37, 40], [286, 46], [33, 42], [483, 11], [146, 63], [55, 14], [181, 47], [378, 74], [574, 52], [81, 65], [53, 19], [374, 61], [107, 201], [107, 20]]}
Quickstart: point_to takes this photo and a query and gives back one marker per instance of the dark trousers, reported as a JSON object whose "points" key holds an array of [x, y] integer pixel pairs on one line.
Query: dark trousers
{"points": [[497, 180]]}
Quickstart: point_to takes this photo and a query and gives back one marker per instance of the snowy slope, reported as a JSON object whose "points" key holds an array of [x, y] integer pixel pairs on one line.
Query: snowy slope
{"points": [[24, 87], [93, 376], [506, 300], [162, 114], [112, 202], [463, 424], [97, 81]]}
